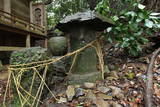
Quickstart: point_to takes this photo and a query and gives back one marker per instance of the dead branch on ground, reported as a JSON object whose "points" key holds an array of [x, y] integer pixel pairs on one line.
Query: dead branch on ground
{"points": [[149, 82]]}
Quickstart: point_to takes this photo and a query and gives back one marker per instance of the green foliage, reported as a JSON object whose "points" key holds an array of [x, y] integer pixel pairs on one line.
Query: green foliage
{"points": [[61, 8], [132, 28], [58, 9], [103, 7]]}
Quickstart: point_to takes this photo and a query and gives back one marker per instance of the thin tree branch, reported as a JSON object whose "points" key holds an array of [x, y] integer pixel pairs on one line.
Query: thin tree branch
{"points": [[48, 2], [149, 82]]}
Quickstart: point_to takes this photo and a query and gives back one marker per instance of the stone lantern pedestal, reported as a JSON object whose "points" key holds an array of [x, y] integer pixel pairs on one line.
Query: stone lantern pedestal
{"points": [[86, 61], [81, 28]]}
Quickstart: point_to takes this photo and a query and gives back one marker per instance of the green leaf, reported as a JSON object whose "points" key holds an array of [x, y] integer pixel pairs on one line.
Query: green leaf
{"points": [[126, 39], [133, 51], [154, 17], [157, 25], [140, 6], [138, 48], [132, 38], [124, 44], [144, 40], [132, 13], [115, 18], [149, 23], [109, 29], [141, 15], [138, 33], [138, 20], [154, 14], [110, 39]]}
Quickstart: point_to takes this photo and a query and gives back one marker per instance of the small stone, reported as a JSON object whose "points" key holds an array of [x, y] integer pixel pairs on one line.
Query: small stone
{"points": [[77, 86], [62, 100], [56, 105], [120, 96], [135, 93], [89, 85], [114, 74], [132, 82], [111, 78], [103, 89], [115, 104], [91, 96], [111, 66], [104, 96], [101, 103], [79, 92], [57, 45], [117, 92], [70, 92], [82, 98]]}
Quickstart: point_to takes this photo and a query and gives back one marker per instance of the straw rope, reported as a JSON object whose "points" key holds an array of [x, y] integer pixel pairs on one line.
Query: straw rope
{"points": [[25, 95]]}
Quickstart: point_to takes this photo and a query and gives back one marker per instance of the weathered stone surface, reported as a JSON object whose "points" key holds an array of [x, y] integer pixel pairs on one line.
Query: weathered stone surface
{"points": [[55, 72], [55, 105], [85, 18], [91, 96], [57, 45], [70, 92], [101, 103], [86, 60], [82, 78], [82, 28], [62, 100], [89, 85], [28, 55], [114, 74], [104, 96], [79, 92], [103, 89], [115, 104], [58, 66], [117, 92]]}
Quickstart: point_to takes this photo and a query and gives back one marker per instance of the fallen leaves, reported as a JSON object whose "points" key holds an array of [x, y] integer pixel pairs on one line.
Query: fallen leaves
{"points": [[70, 92]]}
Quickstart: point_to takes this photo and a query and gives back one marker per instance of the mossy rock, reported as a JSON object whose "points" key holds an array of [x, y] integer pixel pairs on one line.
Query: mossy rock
{"points": [[28, 55], [75, 79], [57, 45], [35, 54], [86, 62]]}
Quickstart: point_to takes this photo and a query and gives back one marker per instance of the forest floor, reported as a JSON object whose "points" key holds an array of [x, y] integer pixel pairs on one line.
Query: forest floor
{"points": [[124, 86]]}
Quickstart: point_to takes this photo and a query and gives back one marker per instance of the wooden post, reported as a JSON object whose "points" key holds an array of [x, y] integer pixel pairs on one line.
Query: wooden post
{"points": [[7, 6], [31, 11], [28, 41]]}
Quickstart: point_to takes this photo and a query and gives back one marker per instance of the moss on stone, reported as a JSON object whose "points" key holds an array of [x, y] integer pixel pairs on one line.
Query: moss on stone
{"points": [[57, 45], [75, 79]]}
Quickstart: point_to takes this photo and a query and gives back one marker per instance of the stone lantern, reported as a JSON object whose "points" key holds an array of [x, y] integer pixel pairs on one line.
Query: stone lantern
{"points": [[82, 28]]}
